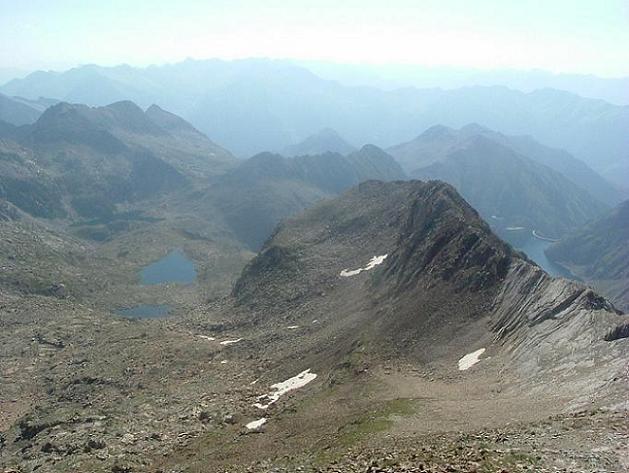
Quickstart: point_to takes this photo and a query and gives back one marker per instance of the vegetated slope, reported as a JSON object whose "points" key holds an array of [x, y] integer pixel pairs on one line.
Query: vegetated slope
{"points": [[268, 187], [510, 190], [326, 140], [438, 141], [599, 253], [279, 101], [100, 157]]}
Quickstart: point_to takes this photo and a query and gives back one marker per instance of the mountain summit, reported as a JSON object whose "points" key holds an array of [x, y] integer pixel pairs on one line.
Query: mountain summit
{"points": [[326, 140]]}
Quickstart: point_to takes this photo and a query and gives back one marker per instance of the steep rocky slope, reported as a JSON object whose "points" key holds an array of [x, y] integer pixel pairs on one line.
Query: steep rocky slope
{"points": [[444, 271], [599, 253]]}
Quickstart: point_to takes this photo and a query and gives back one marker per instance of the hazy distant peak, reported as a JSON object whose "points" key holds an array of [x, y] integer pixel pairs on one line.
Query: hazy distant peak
{"points": [[167, 120], [323, 141], [371, 149], [126, 106], [62, 109], [437, 131], [475, 128]]}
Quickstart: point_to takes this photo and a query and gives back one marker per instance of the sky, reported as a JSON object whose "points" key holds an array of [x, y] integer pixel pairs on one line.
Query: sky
{"points": [[571, 36]]}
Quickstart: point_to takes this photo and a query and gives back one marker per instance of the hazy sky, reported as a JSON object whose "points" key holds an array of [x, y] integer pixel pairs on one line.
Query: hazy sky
{"points": [[585, 36]]}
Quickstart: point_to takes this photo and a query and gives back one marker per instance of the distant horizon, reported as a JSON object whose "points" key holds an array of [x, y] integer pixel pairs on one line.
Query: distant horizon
{"points": [[564, 36], [304, 62]]}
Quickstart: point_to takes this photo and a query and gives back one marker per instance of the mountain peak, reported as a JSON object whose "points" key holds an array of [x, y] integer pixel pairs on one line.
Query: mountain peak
{"points": [[437, 131], [167, 120], [475, 128], [325, 140]]}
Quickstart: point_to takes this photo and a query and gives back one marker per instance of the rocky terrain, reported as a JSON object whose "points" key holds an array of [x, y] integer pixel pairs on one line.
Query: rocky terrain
{"points": [[385, 330]]}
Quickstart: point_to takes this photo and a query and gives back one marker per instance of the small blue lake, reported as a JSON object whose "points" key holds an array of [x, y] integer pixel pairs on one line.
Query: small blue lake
{"points": [[144, 311], [175, 267]]}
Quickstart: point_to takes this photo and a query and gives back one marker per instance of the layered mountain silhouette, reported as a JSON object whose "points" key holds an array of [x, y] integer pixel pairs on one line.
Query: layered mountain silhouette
{"points": [[510, 190], [278, 101], [269, 187], [94, 158], [599, 253], [437, 141], [326, 140], [17, 112]]}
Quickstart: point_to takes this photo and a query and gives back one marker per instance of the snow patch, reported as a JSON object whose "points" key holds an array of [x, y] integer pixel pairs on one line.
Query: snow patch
{"points": [[375, 261], [284, 387], [470, 359], [205, 337], [292, 327], [256, 424], [223, 362], [231, 342]]}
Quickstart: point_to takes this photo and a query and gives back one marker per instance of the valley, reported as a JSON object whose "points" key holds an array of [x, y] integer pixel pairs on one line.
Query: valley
{"points": [[345, 335], [168, 307]]}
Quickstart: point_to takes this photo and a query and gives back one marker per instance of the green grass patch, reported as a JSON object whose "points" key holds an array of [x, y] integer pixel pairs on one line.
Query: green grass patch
{"points": [[375, 421]]}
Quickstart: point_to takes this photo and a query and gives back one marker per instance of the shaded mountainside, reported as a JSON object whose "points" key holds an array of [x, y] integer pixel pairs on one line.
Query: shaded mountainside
{"points": [[17, 112], [26, 184], [281, 101], [510, 190], [327, 140], [599, 253], [436, 143], [446, 286], [268, 187], [123, 125], [85, 161]]}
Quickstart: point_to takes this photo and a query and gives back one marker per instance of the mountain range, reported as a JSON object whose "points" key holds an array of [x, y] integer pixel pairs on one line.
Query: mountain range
{"points": [[86, 160], [280, 103], [268, 187], [341, 314], [514, 192]]}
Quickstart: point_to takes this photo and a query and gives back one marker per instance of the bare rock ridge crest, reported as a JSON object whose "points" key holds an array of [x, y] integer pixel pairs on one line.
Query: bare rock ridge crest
{"points": [[446, 276]]}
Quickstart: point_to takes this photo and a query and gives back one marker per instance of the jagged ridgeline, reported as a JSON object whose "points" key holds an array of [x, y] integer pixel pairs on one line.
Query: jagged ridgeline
{"points": [[409, 268], [87, 160]]}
